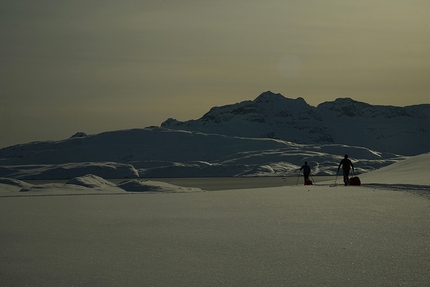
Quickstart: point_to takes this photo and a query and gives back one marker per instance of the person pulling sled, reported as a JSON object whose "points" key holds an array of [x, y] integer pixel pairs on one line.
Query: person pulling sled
{"points": [[346, 166], [306, 172]]}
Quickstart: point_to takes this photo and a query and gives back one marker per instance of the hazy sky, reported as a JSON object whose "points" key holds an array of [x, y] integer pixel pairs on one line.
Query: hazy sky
{"points": [[95, 66]]}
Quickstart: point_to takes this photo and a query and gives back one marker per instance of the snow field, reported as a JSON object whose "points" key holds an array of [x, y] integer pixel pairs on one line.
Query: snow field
{"points": [[318, 235]]}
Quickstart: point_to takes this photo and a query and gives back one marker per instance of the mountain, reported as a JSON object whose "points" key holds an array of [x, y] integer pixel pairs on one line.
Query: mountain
{"points": [[268, 116], [269, 136], [401, 130], [161, 152]]}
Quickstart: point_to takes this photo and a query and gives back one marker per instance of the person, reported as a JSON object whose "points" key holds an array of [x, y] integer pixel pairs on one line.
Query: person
{"points": [[306, 170], [346, 166]]}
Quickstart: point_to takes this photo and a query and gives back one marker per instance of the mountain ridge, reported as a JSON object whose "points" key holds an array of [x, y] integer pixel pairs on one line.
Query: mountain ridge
{"points": [[242, 139], [402, 130]]}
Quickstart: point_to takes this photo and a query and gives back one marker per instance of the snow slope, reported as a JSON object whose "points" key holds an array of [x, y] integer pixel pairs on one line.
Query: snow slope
{"points": [[412, 171]]}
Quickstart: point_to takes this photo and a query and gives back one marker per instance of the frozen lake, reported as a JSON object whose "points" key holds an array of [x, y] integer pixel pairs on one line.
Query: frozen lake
{"points": [[222, 183], [225, 183]]}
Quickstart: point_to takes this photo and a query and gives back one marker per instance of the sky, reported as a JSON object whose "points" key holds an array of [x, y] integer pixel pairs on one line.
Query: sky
{"points": [[94, 66]]}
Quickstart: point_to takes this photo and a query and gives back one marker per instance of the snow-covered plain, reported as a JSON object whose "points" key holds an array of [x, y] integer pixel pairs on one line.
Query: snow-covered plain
{"points": [[123, 235]]}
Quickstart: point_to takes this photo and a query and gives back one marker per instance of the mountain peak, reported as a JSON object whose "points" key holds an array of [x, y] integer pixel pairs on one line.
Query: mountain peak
{"points": [[343, 121], [79, 135], [269, 96]]}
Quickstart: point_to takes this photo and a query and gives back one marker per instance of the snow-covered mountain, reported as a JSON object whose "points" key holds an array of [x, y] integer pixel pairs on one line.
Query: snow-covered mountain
{"points": [[161, 152], [269, 136], [401, 130]]}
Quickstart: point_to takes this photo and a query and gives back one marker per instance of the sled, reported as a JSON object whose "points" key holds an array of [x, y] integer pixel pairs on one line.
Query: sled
{"points": [[308, 182], [355, 180]]}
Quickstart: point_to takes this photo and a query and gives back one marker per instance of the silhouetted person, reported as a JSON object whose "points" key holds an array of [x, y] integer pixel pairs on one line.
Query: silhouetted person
{"points": [[346, 166], [306, 170]]}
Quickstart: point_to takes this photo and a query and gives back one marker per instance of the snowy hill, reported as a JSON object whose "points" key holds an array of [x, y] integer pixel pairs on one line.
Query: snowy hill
{"points": [[412, 171], [160, 152], [401, 130]]}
